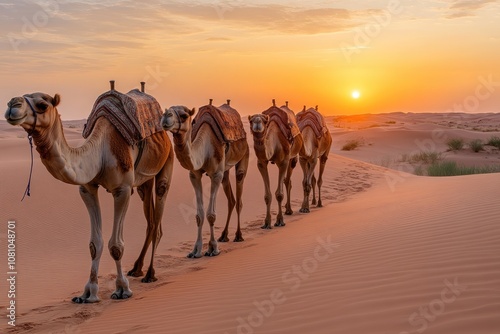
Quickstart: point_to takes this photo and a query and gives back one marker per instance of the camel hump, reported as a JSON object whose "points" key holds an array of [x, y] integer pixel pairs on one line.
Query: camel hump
{"points": [[224, 120], [284, 117], [135, 114], [312, 118]]}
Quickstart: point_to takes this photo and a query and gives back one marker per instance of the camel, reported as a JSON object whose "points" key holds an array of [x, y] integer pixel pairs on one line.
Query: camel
{"points": [[277, 139], [201, 148], [104, 159], [317, 143]]}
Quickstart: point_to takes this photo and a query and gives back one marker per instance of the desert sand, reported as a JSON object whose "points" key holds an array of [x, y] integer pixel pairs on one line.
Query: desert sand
{"points": [[391, 252]]}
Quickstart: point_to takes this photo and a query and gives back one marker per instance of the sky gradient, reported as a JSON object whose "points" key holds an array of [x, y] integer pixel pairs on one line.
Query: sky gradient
{"points": [[410, 56]]}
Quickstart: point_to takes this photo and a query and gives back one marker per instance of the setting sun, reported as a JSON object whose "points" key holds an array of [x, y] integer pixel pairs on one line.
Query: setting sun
{"points": [[355, 94]]}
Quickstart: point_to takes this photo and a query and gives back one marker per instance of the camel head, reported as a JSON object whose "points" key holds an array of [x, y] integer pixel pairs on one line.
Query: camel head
{"points": [[177, 119], [258, 123], [32, 111]]}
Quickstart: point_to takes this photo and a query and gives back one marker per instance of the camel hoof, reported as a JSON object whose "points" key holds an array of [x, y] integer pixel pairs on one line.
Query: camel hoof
{"points": [[212, 253], [238, 238], [320, 205], [280, 223], [288, 212], [266, 227], [80, 300], [305, 210], [193, 256], [121, 294], [223, 239], [149, 279], [135, 273]]}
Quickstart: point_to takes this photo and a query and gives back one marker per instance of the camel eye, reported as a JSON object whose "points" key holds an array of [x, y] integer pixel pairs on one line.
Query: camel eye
{"points": [[42, 106], [184, 117]]}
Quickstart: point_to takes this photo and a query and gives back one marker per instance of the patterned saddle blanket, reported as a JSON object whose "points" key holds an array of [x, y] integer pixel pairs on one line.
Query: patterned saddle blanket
{"points": [[224, 120], [136, 115], [285, 119], [312, 118]]}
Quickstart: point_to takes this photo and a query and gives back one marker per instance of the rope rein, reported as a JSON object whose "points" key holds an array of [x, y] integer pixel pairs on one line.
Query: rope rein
{"points": [[30, 140]]}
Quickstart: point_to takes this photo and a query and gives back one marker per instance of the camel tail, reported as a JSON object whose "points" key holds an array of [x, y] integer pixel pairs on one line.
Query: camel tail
{"points": [[308, 142]]}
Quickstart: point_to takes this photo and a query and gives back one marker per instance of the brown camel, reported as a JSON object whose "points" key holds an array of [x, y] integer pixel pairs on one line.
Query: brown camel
{"points": [[202, 147], [277, 139], [317, 143], [105, 159]]}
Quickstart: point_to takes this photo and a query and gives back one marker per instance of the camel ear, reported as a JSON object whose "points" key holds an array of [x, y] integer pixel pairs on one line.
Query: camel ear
{"points": [[56, 99], [192, 111], [250, 118], [266, 118]]}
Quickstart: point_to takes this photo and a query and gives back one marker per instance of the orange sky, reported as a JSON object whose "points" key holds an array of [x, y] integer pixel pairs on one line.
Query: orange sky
{"points": [[410, 56]]}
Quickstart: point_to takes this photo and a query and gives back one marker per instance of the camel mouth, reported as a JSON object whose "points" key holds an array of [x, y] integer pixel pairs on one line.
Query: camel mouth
{"points": [[15, 121], [167, 122], [257, 128], [166, 125]]}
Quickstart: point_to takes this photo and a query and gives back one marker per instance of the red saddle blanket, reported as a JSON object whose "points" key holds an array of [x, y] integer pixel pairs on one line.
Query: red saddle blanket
{"points": [[312, 118], [285, 119], [224, 121], [136, 115]]}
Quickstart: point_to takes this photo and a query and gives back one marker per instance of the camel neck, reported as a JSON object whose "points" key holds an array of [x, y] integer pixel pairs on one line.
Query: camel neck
{"points": [[70, 165], [189, 152]]}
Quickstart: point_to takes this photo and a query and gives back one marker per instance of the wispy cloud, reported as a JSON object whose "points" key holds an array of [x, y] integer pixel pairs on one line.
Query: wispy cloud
{"points": [[275, 17], [465, 8], [98, 32]]}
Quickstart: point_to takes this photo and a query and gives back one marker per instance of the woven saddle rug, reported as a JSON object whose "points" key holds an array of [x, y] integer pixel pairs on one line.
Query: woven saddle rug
{"points": [[225, 122], [136, 115], [312, 118], [285, 119]]}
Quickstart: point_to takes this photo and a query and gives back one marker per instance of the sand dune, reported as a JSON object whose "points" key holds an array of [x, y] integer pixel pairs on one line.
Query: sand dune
{"points": [[389, 253]]}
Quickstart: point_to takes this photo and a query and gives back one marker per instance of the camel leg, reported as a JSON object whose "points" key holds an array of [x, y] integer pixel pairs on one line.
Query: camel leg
{"points": [[262, 166], [283, 168], [213, 249], [91, 200], [195, 178], [307, 184], [226, 185], [162, 184], [146, 193], [241, 172], [313, 187], [322, 165], [305, 170], [116, 244], [288, 185]]}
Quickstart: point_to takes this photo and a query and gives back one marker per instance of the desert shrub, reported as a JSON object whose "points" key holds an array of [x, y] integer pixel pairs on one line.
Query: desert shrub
{"points": [[451, 168], [422, 157], [351, 145], [494, 141], [419, 170], [476, 145], [455, 144]]}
